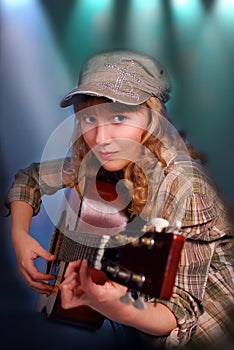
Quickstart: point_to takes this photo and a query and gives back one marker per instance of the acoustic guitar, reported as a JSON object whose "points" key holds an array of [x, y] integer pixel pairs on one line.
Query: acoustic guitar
{"points": [[95, 227]]}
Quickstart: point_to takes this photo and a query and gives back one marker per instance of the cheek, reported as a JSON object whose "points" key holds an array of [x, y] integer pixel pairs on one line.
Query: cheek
{"points": [[89, 138], [135, 134], [130, 143]]}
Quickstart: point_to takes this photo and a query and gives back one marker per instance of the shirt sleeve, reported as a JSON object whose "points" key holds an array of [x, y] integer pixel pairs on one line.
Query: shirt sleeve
{"points": [[186, 302], [34, 181], [205, 227]]}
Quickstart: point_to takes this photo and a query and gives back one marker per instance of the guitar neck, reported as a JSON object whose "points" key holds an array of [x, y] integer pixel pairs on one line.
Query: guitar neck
{"points": [[144, 262], [85, 246]]}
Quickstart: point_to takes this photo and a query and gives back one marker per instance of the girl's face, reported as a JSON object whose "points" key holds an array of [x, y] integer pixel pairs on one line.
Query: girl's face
{"points": [[114, 132]]}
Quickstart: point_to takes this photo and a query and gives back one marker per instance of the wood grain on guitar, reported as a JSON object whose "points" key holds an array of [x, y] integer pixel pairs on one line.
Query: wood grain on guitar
{"points": [[145, 262]]}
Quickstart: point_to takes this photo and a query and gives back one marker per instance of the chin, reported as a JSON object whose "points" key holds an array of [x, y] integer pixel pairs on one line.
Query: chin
{"points": [[115, 165]]}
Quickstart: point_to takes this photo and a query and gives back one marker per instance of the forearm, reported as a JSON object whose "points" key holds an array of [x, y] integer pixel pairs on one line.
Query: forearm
{"points": [[27, 249], [156, 319], [78, 288], [21, 213]]}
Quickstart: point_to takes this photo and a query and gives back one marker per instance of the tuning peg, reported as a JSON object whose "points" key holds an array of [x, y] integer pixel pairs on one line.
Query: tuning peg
{"points": [[120, 239], [140, 303], [178, 224], [175, 228], [148, 241], [127, 298], [159, 224]]}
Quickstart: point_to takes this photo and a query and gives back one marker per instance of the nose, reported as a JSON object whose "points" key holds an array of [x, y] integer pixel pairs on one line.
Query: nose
{"points": [[103, 135]]}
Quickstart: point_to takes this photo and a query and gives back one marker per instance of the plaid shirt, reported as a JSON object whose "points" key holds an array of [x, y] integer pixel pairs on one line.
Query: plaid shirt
{"points": [[203, 295]]}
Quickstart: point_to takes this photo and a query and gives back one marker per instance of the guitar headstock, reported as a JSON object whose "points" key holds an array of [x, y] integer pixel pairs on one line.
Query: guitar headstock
{"points": [[145, 262]]}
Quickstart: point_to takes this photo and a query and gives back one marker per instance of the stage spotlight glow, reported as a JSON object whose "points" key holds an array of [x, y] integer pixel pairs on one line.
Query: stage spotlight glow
{"points": [[89, 22], [96, 4], [140, 5], [180, 2], [226, 2], [226, 5], [186, 9], [224, 11], [137, 32], [16, 3]]}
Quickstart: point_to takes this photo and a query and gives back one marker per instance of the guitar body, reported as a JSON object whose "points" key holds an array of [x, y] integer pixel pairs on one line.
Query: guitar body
{"points": [[82, 316], [145, 262], [81, 216]]}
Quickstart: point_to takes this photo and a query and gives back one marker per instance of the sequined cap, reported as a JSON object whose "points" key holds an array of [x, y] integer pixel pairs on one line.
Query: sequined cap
{"points": [[122, 76]]}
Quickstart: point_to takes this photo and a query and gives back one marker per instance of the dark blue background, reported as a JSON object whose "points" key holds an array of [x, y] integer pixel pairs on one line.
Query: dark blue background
{"points": [[43, 45]]}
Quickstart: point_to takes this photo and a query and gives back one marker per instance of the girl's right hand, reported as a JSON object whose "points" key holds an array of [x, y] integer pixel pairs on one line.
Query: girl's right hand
{"points": [[27, 249]]}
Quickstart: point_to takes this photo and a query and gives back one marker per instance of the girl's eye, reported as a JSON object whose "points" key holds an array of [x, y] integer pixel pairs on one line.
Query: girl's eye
{"points": [[89, 120], [119, 118]]}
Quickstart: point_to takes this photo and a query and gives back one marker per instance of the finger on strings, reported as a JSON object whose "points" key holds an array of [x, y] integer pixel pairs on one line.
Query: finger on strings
{"points": [[35, 275], [66, 294], [42, 287], [72, 267], [85, 275], [73, 276]]}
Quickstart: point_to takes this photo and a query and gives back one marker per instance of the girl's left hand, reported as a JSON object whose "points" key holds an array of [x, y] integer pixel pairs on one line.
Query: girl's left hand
{"points": [[79, 288]]}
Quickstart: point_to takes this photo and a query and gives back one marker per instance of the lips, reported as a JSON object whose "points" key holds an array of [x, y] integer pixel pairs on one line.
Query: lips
{"points": [[106, 155]]}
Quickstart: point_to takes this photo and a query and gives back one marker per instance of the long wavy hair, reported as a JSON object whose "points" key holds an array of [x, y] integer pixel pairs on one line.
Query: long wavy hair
{"points": [[159, 137]]}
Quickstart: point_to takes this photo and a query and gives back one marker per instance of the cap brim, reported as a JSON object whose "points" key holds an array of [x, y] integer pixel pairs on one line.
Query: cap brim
{"points": [[68, 99]]}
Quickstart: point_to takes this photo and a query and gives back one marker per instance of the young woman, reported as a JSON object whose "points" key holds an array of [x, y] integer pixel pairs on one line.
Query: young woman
{"points": [[122, 130]]}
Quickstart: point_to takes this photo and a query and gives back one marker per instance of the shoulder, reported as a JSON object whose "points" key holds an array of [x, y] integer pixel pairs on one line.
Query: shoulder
{"points": [[183, 171], [194, 198]]}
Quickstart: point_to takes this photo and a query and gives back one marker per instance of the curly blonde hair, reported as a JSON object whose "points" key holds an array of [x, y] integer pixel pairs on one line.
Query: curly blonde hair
{"points": [[155, 140]]}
